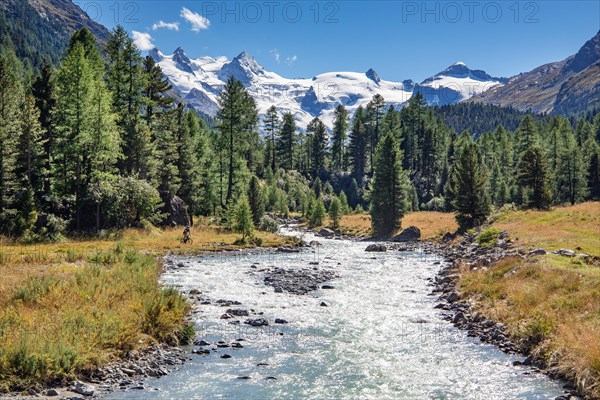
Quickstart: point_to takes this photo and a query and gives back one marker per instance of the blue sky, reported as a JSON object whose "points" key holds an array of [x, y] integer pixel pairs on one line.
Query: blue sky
{"points": [[400, 40]]}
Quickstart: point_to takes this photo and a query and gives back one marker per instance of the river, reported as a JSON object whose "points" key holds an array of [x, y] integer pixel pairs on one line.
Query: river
{"points": [[379, 336]]}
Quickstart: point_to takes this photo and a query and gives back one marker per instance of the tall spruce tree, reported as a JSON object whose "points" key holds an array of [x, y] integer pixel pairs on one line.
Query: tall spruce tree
{"points": [[9, 132], [534, 174], [389, 192], [256, 200], [285, 143], [374, 114], [358, 146], [236, 118], [271, 126], [339, 138], [318, 147], [471, 201], [45, 101]]}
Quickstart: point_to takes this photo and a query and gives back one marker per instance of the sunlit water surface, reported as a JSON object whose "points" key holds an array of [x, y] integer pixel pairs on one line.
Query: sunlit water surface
{"points": [[379, 338]]}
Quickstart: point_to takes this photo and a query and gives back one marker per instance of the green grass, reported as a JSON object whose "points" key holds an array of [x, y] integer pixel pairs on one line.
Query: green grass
{"points": [[54, 326]]}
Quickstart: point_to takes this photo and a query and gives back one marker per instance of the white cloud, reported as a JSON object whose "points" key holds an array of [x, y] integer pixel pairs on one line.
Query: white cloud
{"points": [[197, 21], [291, 60], [172, 26], [142, 40], [276, 55]]}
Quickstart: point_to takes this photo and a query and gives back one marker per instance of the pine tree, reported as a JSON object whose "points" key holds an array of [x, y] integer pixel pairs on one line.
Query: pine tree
{"points": [[88, 143], [335, 212], [256, 200], [389, 188], [9, 132], [188, 129], [358, 146], [155, 88], [242, 218], [339, 137], [570, 175], [471, 200], [526, 136], [271, 125], [236, 118], [317, 213], [285, 143], [345, 208], [374, 114], [169, 181], [592, 160], [43, 92], [534, 176], [318, 147], [30, 166]]}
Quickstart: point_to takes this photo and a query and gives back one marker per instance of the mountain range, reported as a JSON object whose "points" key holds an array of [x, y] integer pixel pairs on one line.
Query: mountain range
{"points": [[39, 30], [199, 82]]}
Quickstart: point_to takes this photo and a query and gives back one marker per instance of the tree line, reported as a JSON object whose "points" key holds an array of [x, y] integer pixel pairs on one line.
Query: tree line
{"points": [[101, 143]]}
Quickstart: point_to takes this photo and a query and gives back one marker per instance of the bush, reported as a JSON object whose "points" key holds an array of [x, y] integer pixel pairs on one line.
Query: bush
{"points": [[435, 204], [268, 224], [488, 237]]}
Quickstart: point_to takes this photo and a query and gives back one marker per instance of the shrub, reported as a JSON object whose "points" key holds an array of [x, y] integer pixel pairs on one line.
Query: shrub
{"points": [[268, 224], [488, 237]]}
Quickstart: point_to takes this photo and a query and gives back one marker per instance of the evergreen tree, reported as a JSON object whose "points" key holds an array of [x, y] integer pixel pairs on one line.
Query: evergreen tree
{"points": [[471, 200], [374, 114], [345, 207], [256, 200], [318, 147], [317, 213], [389, 188], [30, 167], [188, 166], [271, 125], [242, 218], [570, 175], [87, 145], [285, 144], [534, 175], [9, 132], [154, 91], [339, 137], [526, 136], [592, 161], [43, 92], [358, 146], [236, 118], [335, 212]]}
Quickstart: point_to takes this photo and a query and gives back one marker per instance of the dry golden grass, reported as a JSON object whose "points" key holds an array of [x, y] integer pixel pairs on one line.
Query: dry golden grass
{"points": [[69, 306], [551, 304], [574, 227], [432, 224]]}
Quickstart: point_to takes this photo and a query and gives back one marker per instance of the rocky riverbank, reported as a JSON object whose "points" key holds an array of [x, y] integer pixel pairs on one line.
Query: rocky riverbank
{"points": [[466, 252]]}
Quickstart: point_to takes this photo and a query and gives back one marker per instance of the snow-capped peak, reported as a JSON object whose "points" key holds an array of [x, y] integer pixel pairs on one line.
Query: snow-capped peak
{"points": [[460, 63], [371, 74], [200, 81], [243, 67]]}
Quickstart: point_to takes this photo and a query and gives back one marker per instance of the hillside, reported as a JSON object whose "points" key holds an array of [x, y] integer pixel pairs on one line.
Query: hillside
{"points": [[563, 87], [38, 31]]}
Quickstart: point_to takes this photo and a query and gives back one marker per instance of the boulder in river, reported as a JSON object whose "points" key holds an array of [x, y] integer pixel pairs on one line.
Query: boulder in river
{"points": [[257, 322], [410, 234], [326, 232], [376, 248], [83, 388]]}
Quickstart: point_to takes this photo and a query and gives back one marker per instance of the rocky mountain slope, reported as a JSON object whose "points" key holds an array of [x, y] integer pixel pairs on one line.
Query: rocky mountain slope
{"points": [[563, 87]]}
